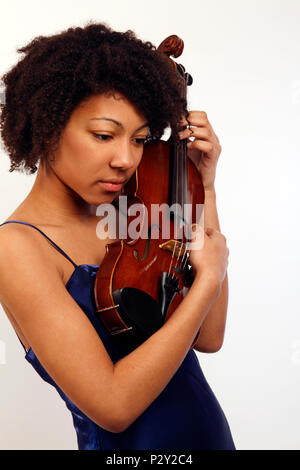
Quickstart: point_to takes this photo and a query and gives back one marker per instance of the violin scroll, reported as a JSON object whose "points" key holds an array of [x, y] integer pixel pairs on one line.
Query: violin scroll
{"points": [[172, 46]]}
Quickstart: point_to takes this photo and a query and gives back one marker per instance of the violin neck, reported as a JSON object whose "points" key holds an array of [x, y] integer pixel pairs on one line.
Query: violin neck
{"points": [[178, 174], [179, 167]]}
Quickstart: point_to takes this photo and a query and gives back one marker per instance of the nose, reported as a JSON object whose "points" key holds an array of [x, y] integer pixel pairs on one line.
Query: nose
{"points": [[125, 155]]}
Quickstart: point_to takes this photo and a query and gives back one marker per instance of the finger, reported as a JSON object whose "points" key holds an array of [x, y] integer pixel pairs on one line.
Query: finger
{"points": [[194, 118], [202, 145], [209, 231], [183, 122], [198, 118], [196, 237], [186, 133], [201, 133]]}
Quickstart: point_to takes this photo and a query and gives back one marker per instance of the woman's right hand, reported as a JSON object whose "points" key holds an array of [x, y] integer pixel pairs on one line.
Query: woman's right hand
{"points": [[211, 259]]}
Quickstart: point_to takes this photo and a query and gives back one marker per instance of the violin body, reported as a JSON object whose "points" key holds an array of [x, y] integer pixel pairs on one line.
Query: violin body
{"points": [[139, 285]]}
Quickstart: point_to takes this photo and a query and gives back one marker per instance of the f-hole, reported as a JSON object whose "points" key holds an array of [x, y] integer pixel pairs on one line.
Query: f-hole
{"points": [[147, 245]]}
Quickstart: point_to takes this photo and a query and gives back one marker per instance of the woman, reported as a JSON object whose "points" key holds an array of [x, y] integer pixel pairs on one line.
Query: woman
{"points": [[82, 104]]}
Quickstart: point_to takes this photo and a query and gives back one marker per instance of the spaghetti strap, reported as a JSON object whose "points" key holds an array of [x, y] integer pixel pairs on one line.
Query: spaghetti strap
{"points": [[54, 244]]}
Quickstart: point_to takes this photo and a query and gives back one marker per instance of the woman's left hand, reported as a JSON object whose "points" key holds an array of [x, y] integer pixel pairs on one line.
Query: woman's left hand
{"points": [[205, 149]]}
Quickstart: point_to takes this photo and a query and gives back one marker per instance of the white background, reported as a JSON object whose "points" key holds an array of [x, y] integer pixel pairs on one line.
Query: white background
{"points": [[244, 58]]}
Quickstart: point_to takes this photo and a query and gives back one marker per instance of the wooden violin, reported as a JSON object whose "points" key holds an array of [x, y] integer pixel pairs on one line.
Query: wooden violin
{"points": [[142, 280]]}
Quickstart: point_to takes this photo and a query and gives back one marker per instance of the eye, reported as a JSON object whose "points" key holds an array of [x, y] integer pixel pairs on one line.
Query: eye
{"points": [[103, 137], [141, 140]]}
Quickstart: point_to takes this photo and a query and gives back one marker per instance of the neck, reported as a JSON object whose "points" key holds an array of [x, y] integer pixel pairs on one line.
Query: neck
{"points": [[54, 202]]}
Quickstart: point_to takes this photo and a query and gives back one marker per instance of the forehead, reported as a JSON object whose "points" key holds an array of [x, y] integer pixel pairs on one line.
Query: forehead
{"points": [[112, 105]]}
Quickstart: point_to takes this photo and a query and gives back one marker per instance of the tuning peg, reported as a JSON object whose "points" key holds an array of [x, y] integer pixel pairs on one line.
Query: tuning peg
{"points": [[188, 79]]}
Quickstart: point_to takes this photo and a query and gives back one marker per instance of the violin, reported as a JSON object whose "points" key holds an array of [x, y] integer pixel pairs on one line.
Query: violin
{"points": [[143, 278]]}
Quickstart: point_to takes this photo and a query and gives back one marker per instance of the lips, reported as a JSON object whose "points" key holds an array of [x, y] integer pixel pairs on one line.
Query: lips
{"points": [[114, 185], [113, 181]]}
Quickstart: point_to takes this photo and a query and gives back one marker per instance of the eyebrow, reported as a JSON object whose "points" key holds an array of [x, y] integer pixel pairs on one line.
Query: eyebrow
{"points": [[119, 124]]}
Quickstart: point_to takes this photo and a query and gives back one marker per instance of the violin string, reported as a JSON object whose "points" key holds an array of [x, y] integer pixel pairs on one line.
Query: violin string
{"points": [[179, 200], [181, 175], [178, 256], [172, 259], [182, 183], [181, 157], [175, 170], [185, 182], [184, 173], [186, 255], [180, 196], [184, 179], [177, 156], [180, 163]]}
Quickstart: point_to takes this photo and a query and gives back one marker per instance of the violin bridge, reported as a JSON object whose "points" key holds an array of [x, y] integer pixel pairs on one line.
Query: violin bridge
{"points": [[179, 250]]}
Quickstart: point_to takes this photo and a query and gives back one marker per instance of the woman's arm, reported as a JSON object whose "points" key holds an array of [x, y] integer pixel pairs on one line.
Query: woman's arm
{"points": [[213, 328], [205, 151], [70, 349]]}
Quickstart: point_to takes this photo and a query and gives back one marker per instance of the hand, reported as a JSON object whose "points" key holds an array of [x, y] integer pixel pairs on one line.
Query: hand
{"points": [[211, 260], [205, 149]]}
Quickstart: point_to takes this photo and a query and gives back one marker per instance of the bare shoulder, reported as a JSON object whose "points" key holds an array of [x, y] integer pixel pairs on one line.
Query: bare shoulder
{"points": [[19, 241], [60, 334], [20, 247], [22, 262]]}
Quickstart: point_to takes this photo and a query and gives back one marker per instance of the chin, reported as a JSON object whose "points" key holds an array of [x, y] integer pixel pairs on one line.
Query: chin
{"points": [[104, 199]]}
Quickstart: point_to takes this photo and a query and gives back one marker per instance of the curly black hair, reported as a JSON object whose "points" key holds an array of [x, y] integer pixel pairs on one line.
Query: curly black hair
{"points": [[59, 71]]}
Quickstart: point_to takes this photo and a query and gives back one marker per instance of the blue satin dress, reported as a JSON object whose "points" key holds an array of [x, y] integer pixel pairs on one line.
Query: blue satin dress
{"points": [[185, 416]]}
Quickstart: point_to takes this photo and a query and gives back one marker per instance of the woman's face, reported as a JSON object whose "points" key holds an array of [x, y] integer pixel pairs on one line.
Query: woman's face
{"points": [[101, 144]]}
